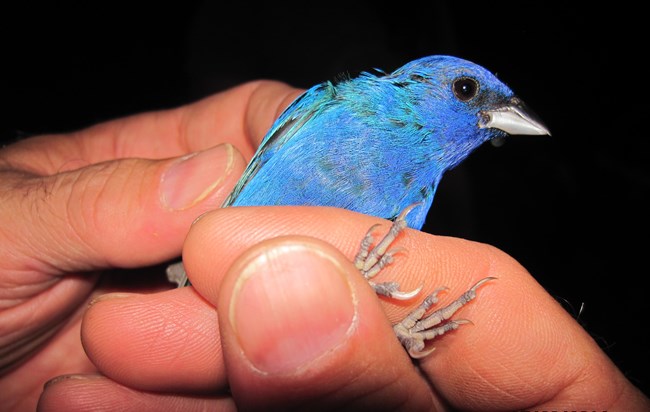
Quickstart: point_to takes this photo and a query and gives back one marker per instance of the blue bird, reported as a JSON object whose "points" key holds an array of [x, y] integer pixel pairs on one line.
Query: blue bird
{"points": [[379, 144]]}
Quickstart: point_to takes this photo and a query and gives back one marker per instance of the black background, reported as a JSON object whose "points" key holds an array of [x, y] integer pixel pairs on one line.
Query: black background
{"points": [[571, 208]]}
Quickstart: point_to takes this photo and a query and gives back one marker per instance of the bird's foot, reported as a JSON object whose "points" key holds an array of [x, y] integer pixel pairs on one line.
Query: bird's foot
{"points": [[372, 261], [176, 274], [415, 329]]}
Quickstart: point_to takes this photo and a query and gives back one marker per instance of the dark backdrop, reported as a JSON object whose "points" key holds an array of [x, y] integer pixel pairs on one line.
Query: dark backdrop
{"points": [[571, 208]]}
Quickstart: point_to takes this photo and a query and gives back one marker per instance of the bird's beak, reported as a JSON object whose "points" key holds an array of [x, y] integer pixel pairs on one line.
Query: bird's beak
{"points": [[513, 118]]}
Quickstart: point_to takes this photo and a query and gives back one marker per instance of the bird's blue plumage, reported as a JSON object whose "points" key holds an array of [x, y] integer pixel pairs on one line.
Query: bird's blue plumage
{"points": [[378, 144], [375, 143]]}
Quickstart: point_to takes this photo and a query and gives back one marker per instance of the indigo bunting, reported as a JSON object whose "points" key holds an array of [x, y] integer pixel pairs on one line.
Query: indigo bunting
{"points": [[379, 144]]}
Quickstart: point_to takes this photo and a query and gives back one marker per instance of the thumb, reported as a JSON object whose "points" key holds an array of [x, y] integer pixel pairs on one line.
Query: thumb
{"points": [[122, 213], [301, 329]]}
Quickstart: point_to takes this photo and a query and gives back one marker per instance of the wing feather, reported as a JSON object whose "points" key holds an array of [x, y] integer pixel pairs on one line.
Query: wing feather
{"points": [[295, 116]]}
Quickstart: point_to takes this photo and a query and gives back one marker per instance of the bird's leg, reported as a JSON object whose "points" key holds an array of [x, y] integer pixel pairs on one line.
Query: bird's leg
{"points": [[415, 329], [176, 274], [372, 261]]}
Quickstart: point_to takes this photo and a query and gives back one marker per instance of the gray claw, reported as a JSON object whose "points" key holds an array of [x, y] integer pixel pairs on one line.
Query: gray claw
{"points": [[415, 329], [399, 295]]}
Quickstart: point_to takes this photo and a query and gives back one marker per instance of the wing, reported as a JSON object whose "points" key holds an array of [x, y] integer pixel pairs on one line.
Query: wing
{"points": [[299, 112]]}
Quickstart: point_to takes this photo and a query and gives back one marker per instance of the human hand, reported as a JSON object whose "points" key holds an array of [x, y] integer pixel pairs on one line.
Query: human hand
{"points": [[109, 196], [297, 327]]}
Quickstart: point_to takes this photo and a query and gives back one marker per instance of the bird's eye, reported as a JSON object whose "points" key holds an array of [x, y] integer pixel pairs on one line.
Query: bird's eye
{"points": [[465, 88]]}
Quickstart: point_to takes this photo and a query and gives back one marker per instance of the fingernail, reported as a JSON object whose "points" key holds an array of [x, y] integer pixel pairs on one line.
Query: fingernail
{"points": [[110, 296], [194, 177], [291, 305], [77, 377]]}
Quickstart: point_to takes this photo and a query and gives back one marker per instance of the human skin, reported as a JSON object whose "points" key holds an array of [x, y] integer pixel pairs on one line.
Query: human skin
{"points": [[77, 206]]}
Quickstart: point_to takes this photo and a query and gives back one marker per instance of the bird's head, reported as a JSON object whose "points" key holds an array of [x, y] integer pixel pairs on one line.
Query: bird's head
{"points": [[464, 105]]}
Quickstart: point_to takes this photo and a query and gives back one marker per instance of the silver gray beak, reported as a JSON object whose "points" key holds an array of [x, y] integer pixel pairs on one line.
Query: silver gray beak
{"points": [[513, 118]]}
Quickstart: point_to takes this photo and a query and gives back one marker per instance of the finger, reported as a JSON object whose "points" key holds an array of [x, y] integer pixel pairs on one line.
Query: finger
{"points": [[239, 116], [523, 351], [124, 213], [493, 363], [245, 226], [295, 313], [167, 341], [170, 342], [97, 393]]}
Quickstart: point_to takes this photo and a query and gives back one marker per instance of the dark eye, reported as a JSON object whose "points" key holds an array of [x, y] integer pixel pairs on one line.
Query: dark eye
{"points": [[465, 88]]}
